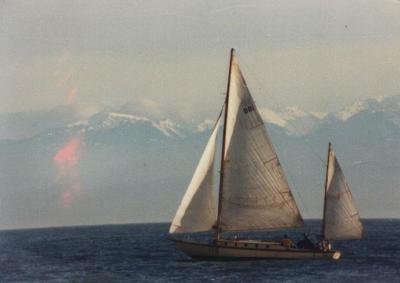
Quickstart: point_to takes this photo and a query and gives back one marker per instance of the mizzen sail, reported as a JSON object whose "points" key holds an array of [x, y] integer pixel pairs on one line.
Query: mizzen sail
{"points": [[255, 193], [197, 211], [341, 218]]}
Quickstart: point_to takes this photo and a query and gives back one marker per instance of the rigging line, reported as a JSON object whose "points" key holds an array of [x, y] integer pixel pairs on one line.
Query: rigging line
{"points": [[302, 203], [248, 70]]}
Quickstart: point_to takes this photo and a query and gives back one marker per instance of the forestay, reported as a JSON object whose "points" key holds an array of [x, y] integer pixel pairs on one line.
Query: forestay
{"points": [[342, 221], [256, 195], [197, 211]]}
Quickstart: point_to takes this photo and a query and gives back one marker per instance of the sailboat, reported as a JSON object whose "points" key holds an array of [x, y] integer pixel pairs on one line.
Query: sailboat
{"points": [[254, 194], [341, 220]]}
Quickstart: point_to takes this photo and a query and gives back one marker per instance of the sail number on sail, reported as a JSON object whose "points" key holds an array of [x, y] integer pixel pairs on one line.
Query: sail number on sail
{"points": [[248, 109]]}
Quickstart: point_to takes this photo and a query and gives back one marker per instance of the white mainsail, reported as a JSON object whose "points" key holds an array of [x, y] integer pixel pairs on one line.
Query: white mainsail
{"points": [[197, 211], [255, 195], [342, 221]]}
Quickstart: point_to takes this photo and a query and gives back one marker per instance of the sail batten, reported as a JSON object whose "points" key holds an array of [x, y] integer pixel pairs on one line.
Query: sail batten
{"points": [[256, 195], [197, 211], [341, 217]]}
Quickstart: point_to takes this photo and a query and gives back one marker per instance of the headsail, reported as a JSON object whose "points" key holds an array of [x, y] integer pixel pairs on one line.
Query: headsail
{"points": [[256, 195], [341, 218], [197, 211]]}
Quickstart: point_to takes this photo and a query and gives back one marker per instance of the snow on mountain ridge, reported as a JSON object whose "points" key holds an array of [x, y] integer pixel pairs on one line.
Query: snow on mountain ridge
{"points": [[167, 126], [272, 117], [297, 121], [108, 120], [79, 123], [388, 104], [128, 116], [205, 125], [319, 115], [293, 120], [293, 112], [352, 110]]}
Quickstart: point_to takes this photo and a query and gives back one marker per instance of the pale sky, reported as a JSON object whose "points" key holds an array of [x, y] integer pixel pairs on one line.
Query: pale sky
{"points": [[172, 56]]}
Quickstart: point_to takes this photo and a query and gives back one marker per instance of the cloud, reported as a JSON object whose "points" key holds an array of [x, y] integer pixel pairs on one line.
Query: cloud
{"points": [[181, 61]]}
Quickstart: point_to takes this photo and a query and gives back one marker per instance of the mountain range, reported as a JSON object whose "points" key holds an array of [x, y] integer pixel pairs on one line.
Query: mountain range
{"points": [[73, 166]]}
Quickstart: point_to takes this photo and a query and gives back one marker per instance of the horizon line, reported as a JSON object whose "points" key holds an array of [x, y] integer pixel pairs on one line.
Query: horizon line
{"points": [[144, 223]]}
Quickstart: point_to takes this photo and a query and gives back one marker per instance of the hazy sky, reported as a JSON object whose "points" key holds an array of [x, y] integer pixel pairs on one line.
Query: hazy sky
{"points": [[172, 55]]}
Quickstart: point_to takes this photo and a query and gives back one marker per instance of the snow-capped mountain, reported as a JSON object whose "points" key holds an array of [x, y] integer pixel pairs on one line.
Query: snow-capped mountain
{"points": [[108, 120], [113, 159], [388, 106], [294, 120], [299, 122]]}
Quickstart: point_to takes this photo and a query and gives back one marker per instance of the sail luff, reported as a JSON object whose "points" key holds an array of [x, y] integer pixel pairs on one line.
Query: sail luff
{"points": [[325, 191], [221, 172]]}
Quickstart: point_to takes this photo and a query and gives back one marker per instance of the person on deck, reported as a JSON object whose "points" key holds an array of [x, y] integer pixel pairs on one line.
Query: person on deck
{"points": [[325, 245], [305, 243], [287, 242]]}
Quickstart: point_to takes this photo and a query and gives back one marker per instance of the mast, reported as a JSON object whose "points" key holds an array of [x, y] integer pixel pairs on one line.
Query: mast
{"points": [[325, 190], [221, 173]]}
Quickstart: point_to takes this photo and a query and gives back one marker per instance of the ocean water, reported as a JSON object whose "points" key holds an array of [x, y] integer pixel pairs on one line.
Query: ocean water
{"points": [[141, 253]]}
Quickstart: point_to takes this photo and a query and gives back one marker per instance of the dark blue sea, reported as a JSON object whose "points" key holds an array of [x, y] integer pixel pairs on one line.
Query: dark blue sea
{"points": [[141, 253]]}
